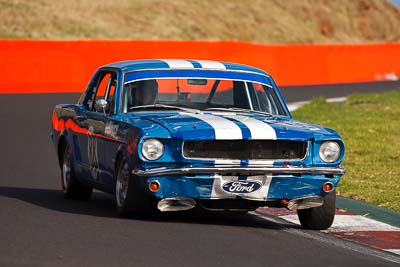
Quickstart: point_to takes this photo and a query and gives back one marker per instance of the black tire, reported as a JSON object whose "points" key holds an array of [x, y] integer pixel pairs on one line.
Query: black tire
{"points": [[71, 186], [132, 199], [319, 218]]}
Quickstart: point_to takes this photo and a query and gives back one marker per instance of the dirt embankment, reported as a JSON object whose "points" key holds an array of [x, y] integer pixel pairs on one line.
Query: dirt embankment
{"points": [[262, 21]]}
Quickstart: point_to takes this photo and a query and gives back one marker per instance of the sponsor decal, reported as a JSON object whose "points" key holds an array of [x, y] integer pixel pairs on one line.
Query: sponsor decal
{"points": [[241, 187]]}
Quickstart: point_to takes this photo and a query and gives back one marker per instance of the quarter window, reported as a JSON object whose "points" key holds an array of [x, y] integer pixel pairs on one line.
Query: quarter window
{"points": [[102, 88]]}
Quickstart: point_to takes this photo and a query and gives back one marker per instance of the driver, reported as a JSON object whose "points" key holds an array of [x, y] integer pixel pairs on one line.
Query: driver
{"points": [[145, 93]]}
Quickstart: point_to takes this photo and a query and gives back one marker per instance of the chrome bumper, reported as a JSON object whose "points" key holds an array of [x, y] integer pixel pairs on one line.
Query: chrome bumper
{"points": [[238, 170]]}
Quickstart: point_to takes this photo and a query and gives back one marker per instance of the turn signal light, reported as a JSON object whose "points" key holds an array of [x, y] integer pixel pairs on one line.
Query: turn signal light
{"points": [[327, 187], [284, 201], [154, 186]]}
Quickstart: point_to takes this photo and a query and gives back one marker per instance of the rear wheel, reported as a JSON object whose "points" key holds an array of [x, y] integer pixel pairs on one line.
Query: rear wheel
{"points": [[72, 188], [130, 197], [319, 218]]}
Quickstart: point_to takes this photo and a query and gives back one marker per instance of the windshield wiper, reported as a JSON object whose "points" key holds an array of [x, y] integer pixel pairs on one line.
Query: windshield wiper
{"points": [[239, 110], [161, 106]]}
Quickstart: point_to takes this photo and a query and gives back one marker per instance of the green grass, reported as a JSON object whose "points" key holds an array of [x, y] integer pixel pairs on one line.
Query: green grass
{"points": [[370, 127]]}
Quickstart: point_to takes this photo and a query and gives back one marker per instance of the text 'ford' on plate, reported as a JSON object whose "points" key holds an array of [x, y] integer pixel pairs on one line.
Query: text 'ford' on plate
{"points": [[241, 187]]}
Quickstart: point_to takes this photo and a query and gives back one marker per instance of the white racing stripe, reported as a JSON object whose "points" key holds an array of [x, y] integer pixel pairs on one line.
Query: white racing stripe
{"points": [[223, 128], [208, 64], [258, 129], [261, 162], [179, 64], [227, 161]]}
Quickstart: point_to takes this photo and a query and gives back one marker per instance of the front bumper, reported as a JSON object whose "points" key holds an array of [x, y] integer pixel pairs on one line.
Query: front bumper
{"points": [[240, 170], [207, 183]]}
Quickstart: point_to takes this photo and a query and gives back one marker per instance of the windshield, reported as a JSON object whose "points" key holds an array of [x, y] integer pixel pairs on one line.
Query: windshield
{"points": [[201, 94]]}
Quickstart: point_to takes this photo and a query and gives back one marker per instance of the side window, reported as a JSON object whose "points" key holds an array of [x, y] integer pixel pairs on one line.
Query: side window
{"points": [[265, 99]]}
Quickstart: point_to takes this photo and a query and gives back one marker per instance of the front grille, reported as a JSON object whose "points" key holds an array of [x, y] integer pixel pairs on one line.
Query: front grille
{"points": [[245, 149]]}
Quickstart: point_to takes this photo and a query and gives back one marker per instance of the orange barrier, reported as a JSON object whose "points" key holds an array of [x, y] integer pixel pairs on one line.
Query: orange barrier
{"points": [[29, 66]]}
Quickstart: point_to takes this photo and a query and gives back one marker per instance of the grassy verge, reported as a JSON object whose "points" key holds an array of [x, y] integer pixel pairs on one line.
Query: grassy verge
{"points": [[370, 127]]}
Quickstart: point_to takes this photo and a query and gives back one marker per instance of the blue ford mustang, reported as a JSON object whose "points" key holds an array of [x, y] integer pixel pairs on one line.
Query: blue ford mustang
{"points": [[178, 134]]}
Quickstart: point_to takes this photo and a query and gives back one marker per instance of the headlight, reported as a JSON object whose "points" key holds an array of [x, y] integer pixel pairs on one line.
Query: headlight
{"points": [[329, 151], [152, 149]]}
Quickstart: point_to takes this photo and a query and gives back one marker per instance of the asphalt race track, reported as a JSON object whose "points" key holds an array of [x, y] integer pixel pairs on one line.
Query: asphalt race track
{"points": [[38, 227]]}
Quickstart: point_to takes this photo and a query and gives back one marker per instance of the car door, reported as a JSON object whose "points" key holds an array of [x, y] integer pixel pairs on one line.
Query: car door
{"points": [[93, 119]]}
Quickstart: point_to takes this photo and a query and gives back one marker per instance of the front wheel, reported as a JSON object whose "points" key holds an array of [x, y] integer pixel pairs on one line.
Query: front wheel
{"points": [[319, 218], [72, 188], [130, 197]]}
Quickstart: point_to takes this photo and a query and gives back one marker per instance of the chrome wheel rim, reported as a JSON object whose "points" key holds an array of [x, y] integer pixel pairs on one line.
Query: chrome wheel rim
{"points": [[66, 171], [122, 185]]}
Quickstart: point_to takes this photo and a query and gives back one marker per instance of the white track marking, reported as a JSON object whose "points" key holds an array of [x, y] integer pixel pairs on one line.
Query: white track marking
{"points": [[295, 105], [350, 223], [395, 251], [330, 240]]}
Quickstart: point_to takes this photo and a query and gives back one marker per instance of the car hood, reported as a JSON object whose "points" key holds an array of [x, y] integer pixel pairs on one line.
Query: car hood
{"points": [[234, 126]]}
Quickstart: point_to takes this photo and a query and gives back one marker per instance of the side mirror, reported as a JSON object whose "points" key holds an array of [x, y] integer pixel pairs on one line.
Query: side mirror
{"points": [[101, 105]]}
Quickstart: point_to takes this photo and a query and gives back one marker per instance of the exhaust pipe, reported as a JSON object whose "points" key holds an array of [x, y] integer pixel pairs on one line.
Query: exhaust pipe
{"points": [[305, 203], [176, 204]]}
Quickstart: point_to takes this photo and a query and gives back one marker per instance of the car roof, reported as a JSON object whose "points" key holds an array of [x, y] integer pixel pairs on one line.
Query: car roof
{"points": [[162, 64]]}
